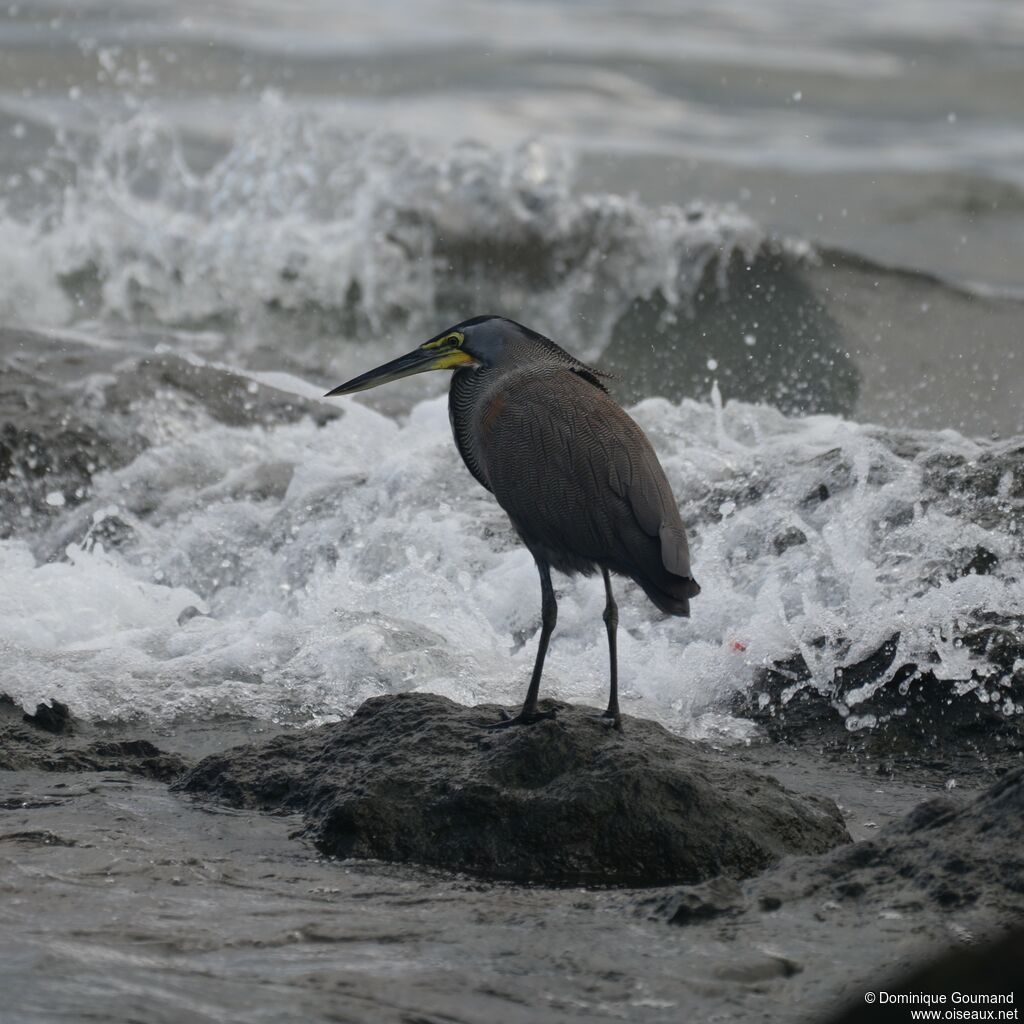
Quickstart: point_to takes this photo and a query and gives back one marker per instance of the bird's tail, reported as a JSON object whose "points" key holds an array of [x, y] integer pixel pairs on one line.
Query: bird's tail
{"points": [[671, 594]]}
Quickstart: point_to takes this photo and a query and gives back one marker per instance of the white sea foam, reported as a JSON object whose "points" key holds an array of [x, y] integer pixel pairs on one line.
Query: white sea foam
{"points": [[301, 216], [328, 564], [333, 563]]}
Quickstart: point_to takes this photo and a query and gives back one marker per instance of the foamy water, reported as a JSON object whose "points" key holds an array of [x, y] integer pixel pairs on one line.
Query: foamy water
{"points": [[329, 564], [302, 220]]}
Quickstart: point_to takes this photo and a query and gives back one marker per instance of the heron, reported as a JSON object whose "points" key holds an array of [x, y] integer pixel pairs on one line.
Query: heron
{"points": [[572, 469]]}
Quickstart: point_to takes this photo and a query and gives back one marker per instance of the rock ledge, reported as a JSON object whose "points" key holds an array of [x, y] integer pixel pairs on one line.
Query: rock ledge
{"points": [[418, 778]]}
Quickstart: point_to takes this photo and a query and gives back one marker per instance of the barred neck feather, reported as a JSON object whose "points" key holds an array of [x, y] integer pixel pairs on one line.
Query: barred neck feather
{"points": [[467, 388]]}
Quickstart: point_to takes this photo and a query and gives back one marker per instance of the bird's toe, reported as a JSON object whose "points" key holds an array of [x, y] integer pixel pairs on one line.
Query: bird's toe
{"points": [[523, 718], [611, 720]]}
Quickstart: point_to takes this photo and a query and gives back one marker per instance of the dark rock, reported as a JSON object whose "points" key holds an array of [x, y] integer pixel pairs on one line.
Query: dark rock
{"points": [[27, 743], [790, 538], [977, 561], [800, 362], [137, 757], [817, 495], [112, 531], [698, 903], [941, 853], [49, 446], [836, 472], [910, 712], [753, 971], [54, 717], [228, 397], [989, 490], [418, 778], [36, 837], [943, 856], [742, 491], [59, 427], [188, 614]]}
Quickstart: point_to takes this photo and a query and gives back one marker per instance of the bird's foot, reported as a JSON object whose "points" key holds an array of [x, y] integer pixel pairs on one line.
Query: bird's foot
{"points": [[525, 717], [611, 719]]}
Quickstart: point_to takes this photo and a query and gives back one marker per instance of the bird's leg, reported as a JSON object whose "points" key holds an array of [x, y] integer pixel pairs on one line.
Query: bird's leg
{"points": [[611, 621], [548, 618]]}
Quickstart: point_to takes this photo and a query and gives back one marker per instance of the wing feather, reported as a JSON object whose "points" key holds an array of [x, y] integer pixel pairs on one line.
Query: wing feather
{"points": [[596, 491]]}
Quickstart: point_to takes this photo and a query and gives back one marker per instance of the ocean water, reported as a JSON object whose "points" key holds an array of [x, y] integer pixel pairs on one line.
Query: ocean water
{"points": [[793, 235]]}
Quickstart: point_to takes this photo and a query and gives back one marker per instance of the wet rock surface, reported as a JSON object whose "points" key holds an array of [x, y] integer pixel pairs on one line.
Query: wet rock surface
{"points": [[764, 295], [899, 710], [51, 446], [944, 856], [70, 409], [50, 740], [417, 778]]}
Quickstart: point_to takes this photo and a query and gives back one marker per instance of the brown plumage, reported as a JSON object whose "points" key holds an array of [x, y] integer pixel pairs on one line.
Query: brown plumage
{"points": [[575, 473], [581, 483]]}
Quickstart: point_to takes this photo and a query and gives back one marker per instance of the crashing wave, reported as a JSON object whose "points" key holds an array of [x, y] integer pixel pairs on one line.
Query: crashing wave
{"points": [[298, 215], [281, 564]]}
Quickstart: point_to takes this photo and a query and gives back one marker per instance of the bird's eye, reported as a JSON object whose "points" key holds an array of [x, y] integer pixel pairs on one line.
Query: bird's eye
{"points": [[453, 338]]}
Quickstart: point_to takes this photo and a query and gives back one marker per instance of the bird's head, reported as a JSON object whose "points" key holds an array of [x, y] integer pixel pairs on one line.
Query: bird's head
{"points": [[483, 341]]}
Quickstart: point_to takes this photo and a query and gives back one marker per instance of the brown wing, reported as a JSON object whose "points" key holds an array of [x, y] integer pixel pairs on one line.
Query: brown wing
{"points": [[582, 484]]}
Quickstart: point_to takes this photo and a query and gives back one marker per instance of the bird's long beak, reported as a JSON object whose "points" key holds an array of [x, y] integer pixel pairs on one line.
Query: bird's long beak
{"points": [[437, 357]]}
